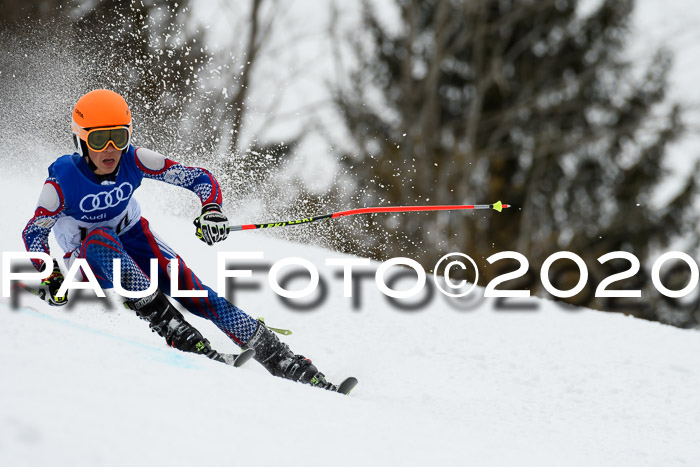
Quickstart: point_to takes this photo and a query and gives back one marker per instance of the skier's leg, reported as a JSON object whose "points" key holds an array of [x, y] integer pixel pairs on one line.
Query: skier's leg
{"points": [[100, 247], [273, 354], [234, 322], [143, 244], [245, 331], [278, 359]]}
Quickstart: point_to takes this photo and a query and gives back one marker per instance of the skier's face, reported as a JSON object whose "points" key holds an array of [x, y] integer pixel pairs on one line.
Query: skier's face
{"points": [[105, 161]]}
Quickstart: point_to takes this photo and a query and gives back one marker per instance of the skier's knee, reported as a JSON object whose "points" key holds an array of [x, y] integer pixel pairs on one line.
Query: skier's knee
{"points": [[103, 234], [100, 243]]}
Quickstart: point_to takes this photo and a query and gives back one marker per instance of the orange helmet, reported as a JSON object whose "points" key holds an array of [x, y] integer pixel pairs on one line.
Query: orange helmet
{"points": [[98, 109]]}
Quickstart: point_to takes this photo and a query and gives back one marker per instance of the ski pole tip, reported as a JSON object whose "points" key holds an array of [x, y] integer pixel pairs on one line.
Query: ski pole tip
{"points": [[498, 206]]}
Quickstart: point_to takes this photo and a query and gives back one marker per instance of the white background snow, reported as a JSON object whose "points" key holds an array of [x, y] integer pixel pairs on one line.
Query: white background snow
{"points": [[91, 385]]}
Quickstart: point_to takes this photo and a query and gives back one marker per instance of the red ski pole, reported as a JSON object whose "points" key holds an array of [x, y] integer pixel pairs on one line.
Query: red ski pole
{"points": [[496, 207]]}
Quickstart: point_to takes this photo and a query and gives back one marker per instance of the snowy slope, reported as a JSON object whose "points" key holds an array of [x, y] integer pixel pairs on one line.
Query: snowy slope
{"points": [[92, 386]]}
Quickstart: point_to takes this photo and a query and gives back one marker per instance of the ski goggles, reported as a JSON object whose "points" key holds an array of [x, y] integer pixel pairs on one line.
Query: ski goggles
{"points": [[98, 139]]}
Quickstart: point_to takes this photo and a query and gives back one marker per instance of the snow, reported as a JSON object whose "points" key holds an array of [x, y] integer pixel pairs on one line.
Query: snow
{"points": [[90, 385]]}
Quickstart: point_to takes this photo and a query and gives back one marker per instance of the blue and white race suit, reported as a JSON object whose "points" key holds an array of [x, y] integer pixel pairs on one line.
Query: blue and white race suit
{"points": [[102, 221]]}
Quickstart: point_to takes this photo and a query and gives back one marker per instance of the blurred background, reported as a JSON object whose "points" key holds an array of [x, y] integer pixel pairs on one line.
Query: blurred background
{"points": [[583, 115]]}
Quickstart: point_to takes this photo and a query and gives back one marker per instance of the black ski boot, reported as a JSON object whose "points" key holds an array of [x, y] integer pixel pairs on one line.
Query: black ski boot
{"points": [[168, 322], [276, 357]]}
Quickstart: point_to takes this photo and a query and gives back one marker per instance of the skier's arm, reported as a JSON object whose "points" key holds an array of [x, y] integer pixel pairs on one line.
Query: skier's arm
{"points": [[47, 212], [200, 181], [36, 239], [212, 224]]}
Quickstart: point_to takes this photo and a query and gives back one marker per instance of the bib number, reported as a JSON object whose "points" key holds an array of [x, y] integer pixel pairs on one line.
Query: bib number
{"points": [[123, 222]]}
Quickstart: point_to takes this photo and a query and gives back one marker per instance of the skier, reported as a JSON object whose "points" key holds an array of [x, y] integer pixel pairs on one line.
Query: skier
{"points": [[87, 201]]}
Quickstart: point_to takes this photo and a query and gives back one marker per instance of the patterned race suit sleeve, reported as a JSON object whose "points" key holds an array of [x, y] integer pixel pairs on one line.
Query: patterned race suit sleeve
{"points": [[200, 181], [48, 211]]}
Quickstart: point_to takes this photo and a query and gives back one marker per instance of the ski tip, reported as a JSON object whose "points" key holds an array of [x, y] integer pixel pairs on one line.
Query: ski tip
{"points": [[243, 357], [347, 385]]}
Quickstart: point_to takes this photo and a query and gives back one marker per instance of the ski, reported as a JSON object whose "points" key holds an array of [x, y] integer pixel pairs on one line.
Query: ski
{"points": [[232, 359], [347, 385]]}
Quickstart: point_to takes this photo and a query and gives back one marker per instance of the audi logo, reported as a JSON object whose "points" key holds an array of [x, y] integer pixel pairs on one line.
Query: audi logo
{"points": [[106, 199]]}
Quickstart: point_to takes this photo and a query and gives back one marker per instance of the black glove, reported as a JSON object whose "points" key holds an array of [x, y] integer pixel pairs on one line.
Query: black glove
{"points": [[50, 285], [212, 224]]}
